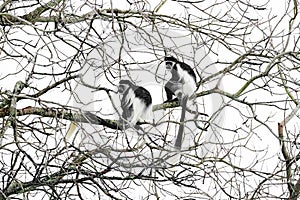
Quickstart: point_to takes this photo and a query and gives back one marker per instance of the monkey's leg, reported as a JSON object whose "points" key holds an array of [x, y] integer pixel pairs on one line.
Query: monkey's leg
{"points": [[169, 92]]}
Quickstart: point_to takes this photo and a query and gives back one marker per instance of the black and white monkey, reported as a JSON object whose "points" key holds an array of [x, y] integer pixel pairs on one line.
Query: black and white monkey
{"points": [[136, 102], [183, 85], [183, 80]]}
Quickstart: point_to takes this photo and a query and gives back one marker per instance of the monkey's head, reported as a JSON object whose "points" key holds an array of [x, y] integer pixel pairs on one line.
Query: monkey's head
{"points": [[124, 85], [170, 62]]}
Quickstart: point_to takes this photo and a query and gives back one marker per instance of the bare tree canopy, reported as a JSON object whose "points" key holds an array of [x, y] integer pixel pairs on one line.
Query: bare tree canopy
{"points": [[60, 66]]}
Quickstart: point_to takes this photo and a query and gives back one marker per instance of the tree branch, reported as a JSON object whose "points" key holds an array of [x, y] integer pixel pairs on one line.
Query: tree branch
{"points": [[34, 15], [293, 190]]}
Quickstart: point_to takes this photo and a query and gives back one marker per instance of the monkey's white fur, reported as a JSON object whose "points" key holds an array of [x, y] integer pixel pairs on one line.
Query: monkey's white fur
{"points": [[188, 84], [141, 112]]}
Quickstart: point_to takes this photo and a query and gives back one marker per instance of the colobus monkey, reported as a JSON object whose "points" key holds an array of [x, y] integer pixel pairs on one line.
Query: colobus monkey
{"points": [[136, 102], [183, 85], [183, 80]]}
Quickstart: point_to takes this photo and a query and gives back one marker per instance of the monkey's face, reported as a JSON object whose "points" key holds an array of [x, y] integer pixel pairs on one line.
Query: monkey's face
{"points": [[124, 85], [170, 65], [122, 88]]}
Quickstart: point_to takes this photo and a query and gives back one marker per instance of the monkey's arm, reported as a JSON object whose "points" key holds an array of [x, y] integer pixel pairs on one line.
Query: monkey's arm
{"points": [[127, 112], [169, 93]]}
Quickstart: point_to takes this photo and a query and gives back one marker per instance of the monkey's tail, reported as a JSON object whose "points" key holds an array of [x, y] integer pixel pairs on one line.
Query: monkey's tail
{"points": [[178, 142]]}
